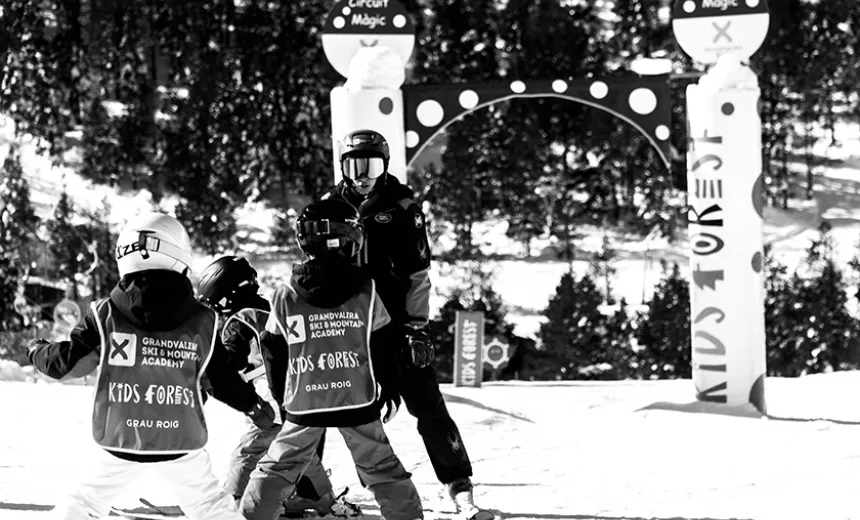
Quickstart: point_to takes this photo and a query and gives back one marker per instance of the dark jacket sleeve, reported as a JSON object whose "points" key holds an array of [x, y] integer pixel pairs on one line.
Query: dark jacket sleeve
{"points": [[237, 336], [411, 262], [74, 358], [225, 384], [276, 359], [386, 346]]}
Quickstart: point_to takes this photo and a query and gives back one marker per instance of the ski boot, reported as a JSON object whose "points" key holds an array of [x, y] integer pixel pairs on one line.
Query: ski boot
{"points": [[327, 504], [460, 492]]}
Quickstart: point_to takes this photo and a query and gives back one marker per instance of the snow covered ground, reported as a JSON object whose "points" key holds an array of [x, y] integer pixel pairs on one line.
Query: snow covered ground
{"points": [[551, 451]]}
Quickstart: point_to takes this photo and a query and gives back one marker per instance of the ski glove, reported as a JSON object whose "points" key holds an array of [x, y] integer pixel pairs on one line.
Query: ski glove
{"points": [[262, 415], [421, 348], [35, 344], [390, 400]]}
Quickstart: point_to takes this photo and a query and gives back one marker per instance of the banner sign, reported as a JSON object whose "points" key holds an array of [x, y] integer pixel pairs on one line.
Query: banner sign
{"points": [[707, 29], [353, 24], [468, 347], [726, 229]]}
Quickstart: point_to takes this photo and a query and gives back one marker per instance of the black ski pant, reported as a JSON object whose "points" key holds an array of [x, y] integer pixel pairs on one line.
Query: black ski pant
{"points": [[424, 401]]}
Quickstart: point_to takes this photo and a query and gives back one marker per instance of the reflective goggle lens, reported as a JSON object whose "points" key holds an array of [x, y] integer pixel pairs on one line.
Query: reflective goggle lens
{"points": [[358, 167]]}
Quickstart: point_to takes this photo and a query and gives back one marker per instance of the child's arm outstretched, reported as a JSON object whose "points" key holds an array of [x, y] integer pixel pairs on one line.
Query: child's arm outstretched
{"points": [[77, 357]]}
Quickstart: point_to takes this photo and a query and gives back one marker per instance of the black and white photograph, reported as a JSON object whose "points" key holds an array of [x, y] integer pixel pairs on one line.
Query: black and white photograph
{"points": [[429, 259]]}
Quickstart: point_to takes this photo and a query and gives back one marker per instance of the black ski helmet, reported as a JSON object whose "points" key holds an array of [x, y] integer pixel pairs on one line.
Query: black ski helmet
{"points": [[364, 143], [330, 228], [225, 278]]}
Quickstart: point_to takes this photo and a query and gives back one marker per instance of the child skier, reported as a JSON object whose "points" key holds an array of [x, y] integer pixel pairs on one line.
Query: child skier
{"points": [[229, 285], [152, 343], [329, 315]]}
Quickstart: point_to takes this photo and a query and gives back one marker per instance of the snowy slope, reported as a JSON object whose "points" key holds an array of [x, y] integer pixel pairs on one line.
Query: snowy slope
{"points": [[552, 451]]}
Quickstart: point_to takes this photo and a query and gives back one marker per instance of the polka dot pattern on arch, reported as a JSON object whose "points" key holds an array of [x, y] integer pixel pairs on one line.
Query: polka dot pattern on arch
{"points": [[518, 87], [598, 90], [642, 101], [469, 99], [339, 22], [559, 86], [430, 113], [412, 139]]}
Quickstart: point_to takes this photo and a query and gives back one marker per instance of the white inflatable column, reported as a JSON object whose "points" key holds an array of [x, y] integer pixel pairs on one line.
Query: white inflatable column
{"points": [[372, 99], [726, 236]]}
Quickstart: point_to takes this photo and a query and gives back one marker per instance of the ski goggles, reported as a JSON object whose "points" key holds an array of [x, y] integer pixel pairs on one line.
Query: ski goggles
{"points": [[358, 167]]}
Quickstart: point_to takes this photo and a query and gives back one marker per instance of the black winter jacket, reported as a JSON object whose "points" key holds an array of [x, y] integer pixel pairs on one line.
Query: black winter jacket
{"points": [[396, 251], [237, 337], [155, 300], [328, 286]]}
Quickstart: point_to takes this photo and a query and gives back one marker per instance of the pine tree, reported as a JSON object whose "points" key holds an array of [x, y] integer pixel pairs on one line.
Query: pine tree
{"points": [[572, 332], [601, 268], [618, 344], [100, 258], [663, 332], [828, 334], [18, 222], [783, 320], [64, 242]]}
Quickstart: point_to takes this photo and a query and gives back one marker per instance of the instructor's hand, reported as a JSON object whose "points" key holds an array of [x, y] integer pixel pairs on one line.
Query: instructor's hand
{"points": [[262, 415], [421, 348]]}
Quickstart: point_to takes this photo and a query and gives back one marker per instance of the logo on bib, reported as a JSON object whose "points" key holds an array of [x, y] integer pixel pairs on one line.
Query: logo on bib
{"points": [[383, 218], [296, 329], [122, 349]]}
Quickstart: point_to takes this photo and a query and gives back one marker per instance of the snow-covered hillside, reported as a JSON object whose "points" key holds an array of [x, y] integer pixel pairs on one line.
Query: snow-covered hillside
{"points": [[541, 451]]}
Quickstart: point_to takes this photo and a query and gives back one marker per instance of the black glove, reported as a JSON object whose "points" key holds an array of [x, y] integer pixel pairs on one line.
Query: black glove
{"points": [[262, 415], [390, 400], [421, 348], [35, 344]]}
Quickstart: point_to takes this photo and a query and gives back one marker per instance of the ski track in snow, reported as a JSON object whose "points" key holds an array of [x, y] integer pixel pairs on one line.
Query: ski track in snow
{"points": [[541, 451]]}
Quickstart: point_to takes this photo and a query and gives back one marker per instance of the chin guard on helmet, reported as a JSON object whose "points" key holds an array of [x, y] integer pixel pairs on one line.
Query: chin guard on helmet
{"points": [[330, 228]]}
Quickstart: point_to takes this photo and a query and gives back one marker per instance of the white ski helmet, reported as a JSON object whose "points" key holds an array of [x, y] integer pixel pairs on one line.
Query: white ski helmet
{"points": [[153, 241]]}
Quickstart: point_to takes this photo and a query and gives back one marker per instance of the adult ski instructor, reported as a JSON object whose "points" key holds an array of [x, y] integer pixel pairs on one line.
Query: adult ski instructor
{"points": [[397, 256]]}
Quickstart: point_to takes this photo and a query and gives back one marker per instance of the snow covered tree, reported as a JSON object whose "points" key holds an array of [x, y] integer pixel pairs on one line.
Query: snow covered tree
{"points": [[826, 339], [18, 223], [64, 242], [663, 332], [100, 258], [783, 320], [601, 268], [570, 335]]}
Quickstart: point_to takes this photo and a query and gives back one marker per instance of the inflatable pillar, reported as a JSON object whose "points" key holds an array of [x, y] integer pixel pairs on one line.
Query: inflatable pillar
{"points": [[371, 98], [726, 236]]}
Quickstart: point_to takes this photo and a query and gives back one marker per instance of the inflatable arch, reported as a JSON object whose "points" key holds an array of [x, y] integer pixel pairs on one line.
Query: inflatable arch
{"points": [[642, 102], [370, 42]]}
